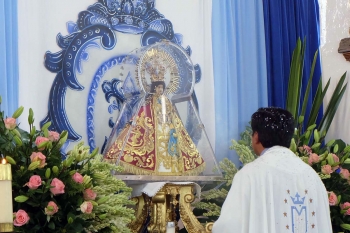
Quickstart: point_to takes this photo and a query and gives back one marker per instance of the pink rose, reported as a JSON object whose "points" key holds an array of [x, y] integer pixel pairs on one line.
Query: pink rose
{"points": [[58, 187], [40, 140], [305, 149], [314, 158], [89, 194], [86, 207], [21, 218], [34, 182], [346, 205], [336, 160], [347, 212], [51, 208], [344, 173], [38, 156], [332, 198], [10, 123], [53, 136], [78, 178], [326, 169]]}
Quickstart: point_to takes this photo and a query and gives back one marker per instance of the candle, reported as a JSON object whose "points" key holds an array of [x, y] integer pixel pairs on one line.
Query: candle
{"points": [[6, 212], [170, 227]]}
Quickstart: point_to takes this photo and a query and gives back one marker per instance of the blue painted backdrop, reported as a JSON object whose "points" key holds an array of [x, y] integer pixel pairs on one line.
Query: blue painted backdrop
{"points": [[252, 44]]}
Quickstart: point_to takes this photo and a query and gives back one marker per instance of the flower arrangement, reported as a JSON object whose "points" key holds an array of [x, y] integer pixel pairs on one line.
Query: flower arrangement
{"points": [[78, 194], [331, 161]]}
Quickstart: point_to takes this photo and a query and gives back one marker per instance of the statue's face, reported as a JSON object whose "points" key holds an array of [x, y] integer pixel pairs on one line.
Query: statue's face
{"points": [[159, 89]]}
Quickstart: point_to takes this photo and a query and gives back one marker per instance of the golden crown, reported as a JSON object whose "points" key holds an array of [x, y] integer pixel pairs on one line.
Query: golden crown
{"points": [[156, 71]]}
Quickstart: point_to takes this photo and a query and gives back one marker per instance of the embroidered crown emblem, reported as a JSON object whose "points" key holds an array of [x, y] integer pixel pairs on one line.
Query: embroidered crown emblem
{"points": [[297, 200], [131, 15]]}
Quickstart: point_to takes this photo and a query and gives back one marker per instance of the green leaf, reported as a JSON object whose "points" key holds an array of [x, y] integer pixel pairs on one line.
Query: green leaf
{"points": [[70, 220], [70, 217], [345, 226], [311, 127], [47, 173], [344, 158], [309, 83], [51, 225], [21, 199], [317, 102], [293, 146], [339, 198], [301, 119], [316, 145], [316, 136], [333, 104], [18, 112], [46, 125], [39, 191], [330, 143], [295, 78], [10, 160], [31, 116], [335, 149]]}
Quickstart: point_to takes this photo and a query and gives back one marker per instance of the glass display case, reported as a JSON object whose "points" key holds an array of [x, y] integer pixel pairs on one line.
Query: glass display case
{"points": [[158, 135]]}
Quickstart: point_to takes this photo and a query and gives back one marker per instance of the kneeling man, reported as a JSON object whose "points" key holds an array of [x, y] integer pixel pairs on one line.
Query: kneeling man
{"points": [[277, 192]]}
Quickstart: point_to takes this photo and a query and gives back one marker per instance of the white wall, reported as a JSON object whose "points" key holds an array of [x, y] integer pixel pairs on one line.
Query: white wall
{"points": [[39, 23], [335, 24]]}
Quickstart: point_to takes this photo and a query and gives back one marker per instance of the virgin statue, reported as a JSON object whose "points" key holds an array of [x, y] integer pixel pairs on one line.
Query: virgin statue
{"points": [[156, 141]]}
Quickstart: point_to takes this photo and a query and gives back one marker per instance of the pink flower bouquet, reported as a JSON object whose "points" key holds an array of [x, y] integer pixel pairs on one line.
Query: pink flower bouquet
{"points": [[51, 195]]}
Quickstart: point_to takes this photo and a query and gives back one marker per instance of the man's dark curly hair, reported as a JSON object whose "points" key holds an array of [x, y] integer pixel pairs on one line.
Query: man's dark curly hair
{"points": [[275, 126]]}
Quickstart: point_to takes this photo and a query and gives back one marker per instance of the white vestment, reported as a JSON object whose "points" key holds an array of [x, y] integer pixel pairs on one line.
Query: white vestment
{"points": [[276, 193]]}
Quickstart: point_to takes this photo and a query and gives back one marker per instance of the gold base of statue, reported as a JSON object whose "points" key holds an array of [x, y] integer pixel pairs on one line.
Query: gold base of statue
{"points": [[161, 209]]}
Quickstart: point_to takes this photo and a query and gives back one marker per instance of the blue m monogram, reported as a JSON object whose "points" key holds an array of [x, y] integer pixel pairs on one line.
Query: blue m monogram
{"points": [[299, 214]]}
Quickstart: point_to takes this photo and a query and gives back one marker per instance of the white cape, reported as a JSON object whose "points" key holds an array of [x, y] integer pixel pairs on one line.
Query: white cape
{"points": [[276, 193]]}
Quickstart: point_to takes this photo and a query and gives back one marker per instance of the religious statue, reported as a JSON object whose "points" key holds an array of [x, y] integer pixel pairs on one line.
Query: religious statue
{"points": [[155, 142]]}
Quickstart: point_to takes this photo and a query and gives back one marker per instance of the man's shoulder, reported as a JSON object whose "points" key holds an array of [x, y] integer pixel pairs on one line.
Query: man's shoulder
{"points": [[253, 167], [278, 159]]}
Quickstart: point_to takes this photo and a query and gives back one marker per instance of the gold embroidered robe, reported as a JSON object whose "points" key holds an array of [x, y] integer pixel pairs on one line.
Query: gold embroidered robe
{"points": [[156, 143]]}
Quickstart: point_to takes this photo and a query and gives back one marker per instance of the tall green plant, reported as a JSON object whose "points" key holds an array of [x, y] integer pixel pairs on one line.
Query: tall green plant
{"points": [[295, 78], [294, 93]]}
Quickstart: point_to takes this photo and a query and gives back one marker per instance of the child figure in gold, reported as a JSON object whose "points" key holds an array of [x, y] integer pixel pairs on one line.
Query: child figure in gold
{"points": [[156, 143]]}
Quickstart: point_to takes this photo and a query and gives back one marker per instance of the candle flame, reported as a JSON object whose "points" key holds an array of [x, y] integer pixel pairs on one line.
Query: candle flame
{"points": [[3, 161]]}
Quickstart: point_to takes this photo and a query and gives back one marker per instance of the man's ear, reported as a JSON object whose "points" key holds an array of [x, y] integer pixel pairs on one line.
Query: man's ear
{"points": [[255, 137]]}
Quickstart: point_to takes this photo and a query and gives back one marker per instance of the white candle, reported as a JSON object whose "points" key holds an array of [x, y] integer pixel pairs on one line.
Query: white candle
{"points": [[170, 227], [6, 212]]}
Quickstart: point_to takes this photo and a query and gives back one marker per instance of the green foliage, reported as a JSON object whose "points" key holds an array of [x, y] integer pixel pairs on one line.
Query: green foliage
{"points": [[294, 92], [245, 153], [308, 143], [209, 206], [295, 78], [37, 154]]}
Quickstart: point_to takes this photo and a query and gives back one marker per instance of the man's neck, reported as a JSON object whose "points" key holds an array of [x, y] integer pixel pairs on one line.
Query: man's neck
{"points": [[263, 151]]}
